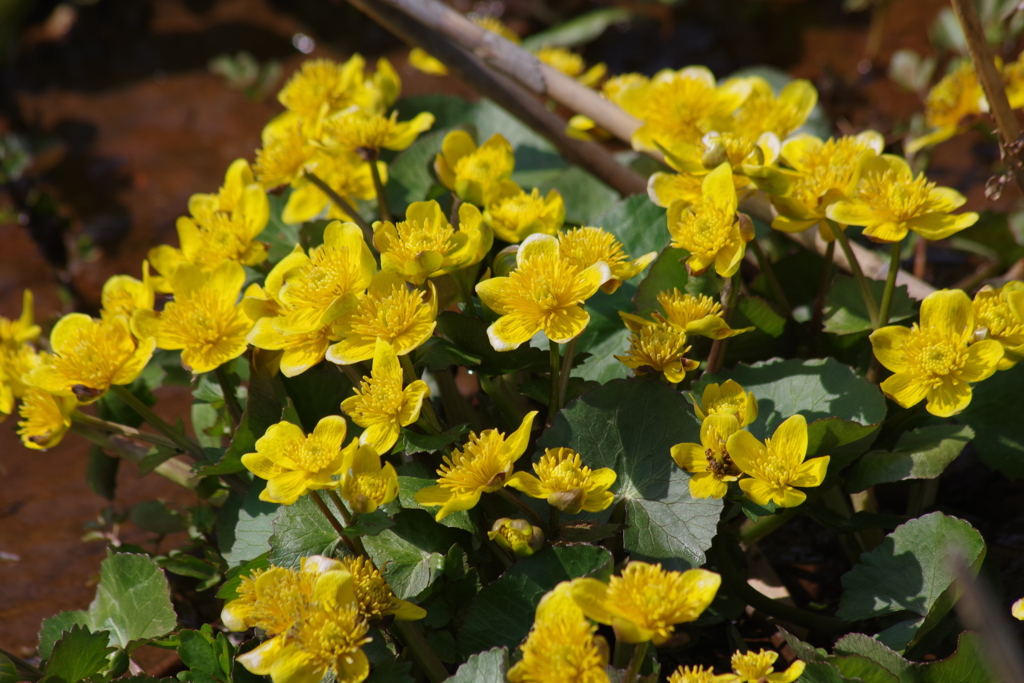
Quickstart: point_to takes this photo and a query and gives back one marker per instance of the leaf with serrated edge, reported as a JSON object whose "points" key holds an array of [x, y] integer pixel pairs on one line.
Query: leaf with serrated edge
{"points": [[79, 654], [484, 667], [921, 454], [994, 414], [300, 529], [133, 600], [411, 554], [53, 627]]}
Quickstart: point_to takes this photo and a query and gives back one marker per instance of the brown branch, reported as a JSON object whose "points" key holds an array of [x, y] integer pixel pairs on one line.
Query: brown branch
{"points": [[992, 81], [391, 14]]}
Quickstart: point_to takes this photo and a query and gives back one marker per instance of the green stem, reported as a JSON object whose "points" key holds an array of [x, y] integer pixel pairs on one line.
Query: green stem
{"points": [[754, 531], [429, 416], [357, 543], [635, 662], [824, 284], [342, 204], [338, 527], [230, 398], [730, 291], [382, 201], [116, 428], [858, 274], [174, 469], [621, 654], [554, 404], [180, 440], [529, 511], [563, 377], [350, 372], [890, 284], [769, 276], [421, 652]]}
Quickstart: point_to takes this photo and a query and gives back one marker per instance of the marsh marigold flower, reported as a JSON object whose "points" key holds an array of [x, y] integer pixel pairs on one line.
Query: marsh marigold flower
{"points": [[205, 320], [513, 215], [782, 114], [698, 674], [366, 482], [14, 333], [566, 483], [710, 229], [544, 292], [729, 398], [696, 314], [656, 346], [1017, 609], [421, 59], [517, 536], [374, 595], [778, 465], [294, 464], [583, 247], [45, 418], [958, 96], [89, 356], [751, 667], [825, 172], [273, 599], [999, 315], [572, 65], [483, 465], [381, 406], [935, 360], [391, 311], [562, 645], [321, 87], [425, 244], [342, 170], [15, 365], [646, 602], [709, 461], [123, 295], [470, 171], [358, 130], [890, 201]]}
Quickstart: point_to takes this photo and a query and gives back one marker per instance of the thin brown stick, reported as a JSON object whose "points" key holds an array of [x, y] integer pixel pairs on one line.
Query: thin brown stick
{"points": [[391, 14], [992, 81]]}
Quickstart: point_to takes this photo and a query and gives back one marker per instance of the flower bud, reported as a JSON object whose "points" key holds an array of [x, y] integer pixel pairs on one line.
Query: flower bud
{"points": [[746, 227], [714, 154], [505, 261], [517, 535], [570, 502]]}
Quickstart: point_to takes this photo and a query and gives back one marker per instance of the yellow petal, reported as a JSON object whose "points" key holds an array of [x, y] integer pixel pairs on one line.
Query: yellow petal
{"points": [[286, 488], [330, 432], [421, 60], [905, 389], [262, 466], [515, 444], [565, 325], [790, 439], [851, 212], [982, 360], [690, 457], [297, 666], [707, 485], [66, 333], [591, 596], [261, 660], [528, 484], [745, 450], [887, 344], [949, 310], [406, 611], [537, 245], [812, 472], [938, 226], [511, 331], [948, 398], [719, 189]]}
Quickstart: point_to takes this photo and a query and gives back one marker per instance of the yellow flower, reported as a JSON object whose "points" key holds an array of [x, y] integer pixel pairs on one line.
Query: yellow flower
{"points": [[483, 465], [710, 229], [425, 244], [496, 25], [273, 599], [544, 292], [357, 129], [294, 464], [698, 674], [752, 667], [90, 356], [123, 295], [562, 645], [646, 602], [1017, 609], [45, 418], [470, 171], [824, 172], [322, 287], [933, 360], [729, 398], [656, 346], [889, 201], [999, 315], [374, 595], [14, 333], [327, 634], [420, 59], [710, 463], [681, 106], [321, 87], [957, 96], [390, 311], [566, 483], [514, 215], [1013, 79], [572, 65], [381, 406], [777, 465], [365, 483], [287, 151], [583, 247], [763, 112], [517, 536], [15, 365], [345, 172], [696, 314], [205, 319]]}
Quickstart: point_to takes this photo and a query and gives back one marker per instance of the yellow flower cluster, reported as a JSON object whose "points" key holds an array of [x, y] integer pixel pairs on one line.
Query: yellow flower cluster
{"points": [[767, 471], [316, 618], [747, 667]]}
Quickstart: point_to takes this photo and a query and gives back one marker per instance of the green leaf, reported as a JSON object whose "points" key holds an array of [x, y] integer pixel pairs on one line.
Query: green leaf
{"points": [[101, 473], [153, 516], [761, 315], [229, 589], [856, 647], [668, 271], [317, 393], [79, 654], [909, 571], [199, 652], [578, 30], [54, 626], [585, 197], [410, 174], [411, 442], [604, 337], [8, 672], [484, 667], [502, 613], [920, 454], [439, 354], [245, 524], [469, 335], [845, 312], [133, 600], [969, 664], [411, 554], [391, 671], [638, 223], [630, 426], [994, 415], [369, 524], [300, 529], [281, 236]]}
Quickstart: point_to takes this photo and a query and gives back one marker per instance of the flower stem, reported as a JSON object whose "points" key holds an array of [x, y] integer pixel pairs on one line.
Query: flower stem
{"points": [[382, 201], [890, 284], [769, 276], [230, 398], [621, 654], [342, 204], [180, 440], [357, 544], [563, 377], [116, 428], [530, 512], [824, 284], [421, 652], [858, 274], [554, 402], [338, 527], [427, 412], [635, 662], [730, 291]]}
